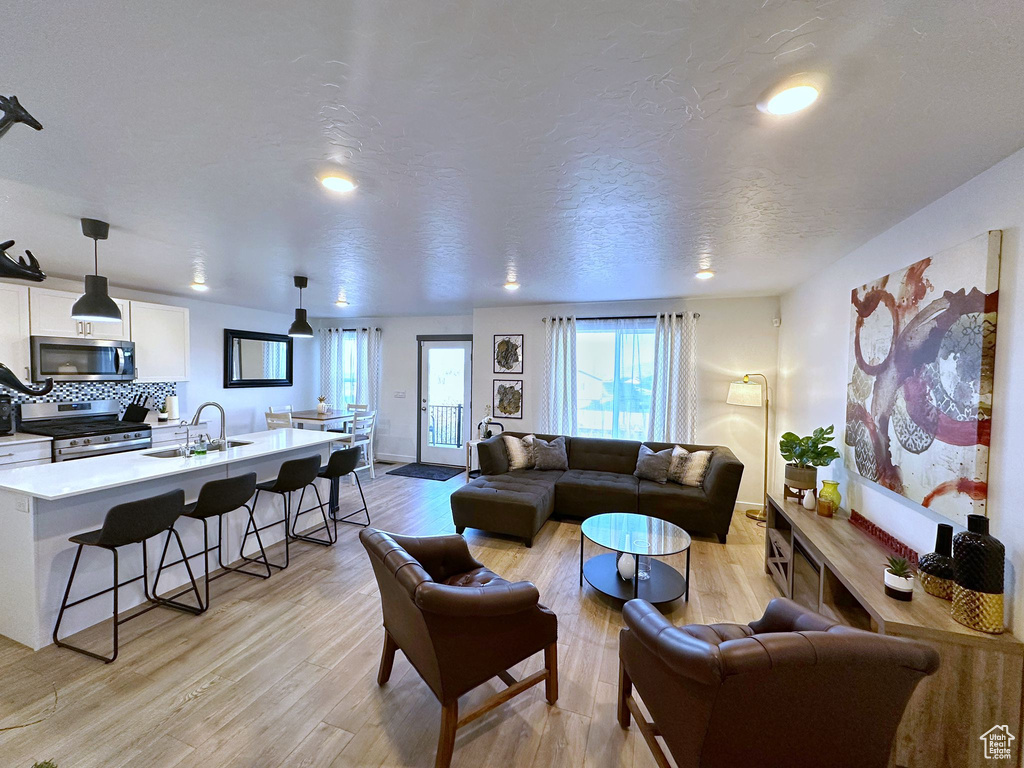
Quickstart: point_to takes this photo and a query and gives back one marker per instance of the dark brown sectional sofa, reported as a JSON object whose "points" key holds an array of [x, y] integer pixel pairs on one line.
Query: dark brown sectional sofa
{"points": [[599, 479]]}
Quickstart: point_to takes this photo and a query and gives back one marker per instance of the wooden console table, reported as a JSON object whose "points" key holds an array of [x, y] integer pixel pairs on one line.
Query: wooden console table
{"points": [[830, 566]]}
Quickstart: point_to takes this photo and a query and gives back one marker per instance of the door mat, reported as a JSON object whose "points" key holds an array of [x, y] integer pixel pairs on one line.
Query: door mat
{"points": [[427, 471]]}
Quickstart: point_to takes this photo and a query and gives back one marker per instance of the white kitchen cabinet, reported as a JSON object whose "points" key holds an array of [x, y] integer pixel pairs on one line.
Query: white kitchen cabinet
{"points": [[14, 347], [50, 315], [161, 336]]}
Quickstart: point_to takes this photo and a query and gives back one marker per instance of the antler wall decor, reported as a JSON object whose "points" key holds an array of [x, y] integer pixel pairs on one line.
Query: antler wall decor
{"points": [[20, 269], [15, 113], [10, 380]]}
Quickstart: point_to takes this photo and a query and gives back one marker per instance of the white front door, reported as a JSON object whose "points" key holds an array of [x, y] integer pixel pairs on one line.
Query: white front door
{"points": [[446, 377]]}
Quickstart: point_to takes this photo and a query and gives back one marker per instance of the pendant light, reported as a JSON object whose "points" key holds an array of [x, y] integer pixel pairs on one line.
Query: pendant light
{"points": [[301, 329], [96, 306]]}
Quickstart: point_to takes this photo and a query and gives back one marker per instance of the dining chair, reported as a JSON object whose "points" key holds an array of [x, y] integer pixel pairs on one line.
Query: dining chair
{"points": [[279, 420], [355, 407], [360, 434]]}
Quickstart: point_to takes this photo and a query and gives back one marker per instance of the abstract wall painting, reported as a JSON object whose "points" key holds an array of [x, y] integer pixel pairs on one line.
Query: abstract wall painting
{"points": [[919, 395], [508, 399], [508, 353]]}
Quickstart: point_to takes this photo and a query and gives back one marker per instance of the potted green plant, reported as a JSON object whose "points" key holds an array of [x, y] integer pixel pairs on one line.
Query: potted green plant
{"points": [[804, 455], [45, 764], [162, 415], [899, 579]]}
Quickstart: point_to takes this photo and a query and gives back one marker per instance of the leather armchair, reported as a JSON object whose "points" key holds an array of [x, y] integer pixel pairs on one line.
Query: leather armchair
{"points": [[458, 623], [791, 690]]}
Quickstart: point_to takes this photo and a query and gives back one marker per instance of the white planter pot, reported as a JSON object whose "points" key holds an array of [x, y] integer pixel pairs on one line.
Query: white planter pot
{"points": [[898, 587], [321, 407]]}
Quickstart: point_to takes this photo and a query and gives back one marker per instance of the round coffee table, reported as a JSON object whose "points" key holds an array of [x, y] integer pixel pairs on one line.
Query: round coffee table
{"points": [[639, 536]]}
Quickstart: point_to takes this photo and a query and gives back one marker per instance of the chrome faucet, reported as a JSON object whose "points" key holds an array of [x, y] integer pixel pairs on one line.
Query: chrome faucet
{"points": [[223, 420]]}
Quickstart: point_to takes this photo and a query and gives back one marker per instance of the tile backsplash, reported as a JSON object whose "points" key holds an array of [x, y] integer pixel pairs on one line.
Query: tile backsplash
{"points": [[122, 391]]}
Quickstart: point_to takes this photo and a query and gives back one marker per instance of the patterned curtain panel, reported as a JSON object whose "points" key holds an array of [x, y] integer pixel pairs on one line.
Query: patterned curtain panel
{"points": [[368, 356], [558, 414], [350, 366], [673, 416]]}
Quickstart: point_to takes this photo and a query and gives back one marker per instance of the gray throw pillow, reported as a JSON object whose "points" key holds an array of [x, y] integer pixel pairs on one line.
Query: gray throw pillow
{"points": [[550, 454], [520, 451], [653, 466]]}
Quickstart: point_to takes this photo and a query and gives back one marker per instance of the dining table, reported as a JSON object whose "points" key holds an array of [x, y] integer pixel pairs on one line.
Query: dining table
{"points": [[321, 421]]}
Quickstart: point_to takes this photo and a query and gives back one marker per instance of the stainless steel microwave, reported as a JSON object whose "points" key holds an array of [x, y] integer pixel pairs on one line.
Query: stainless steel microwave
{"points": [[74, 359]]}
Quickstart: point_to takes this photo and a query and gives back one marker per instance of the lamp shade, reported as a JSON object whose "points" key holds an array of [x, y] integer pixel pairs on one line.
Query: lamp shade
{"points": [[742, 393], [300, 329], [96, 306]]}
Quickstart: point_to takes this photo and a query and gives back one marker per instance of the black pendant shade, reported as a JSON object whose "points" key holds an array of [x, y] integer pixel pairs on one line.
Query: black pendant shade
{"points": [[300, 329], [96, 306]]}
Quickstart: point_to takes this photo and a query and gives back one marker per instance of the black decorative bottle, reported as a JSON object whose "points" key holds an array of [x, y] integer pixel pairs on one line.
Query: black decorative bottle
{"points": [[936, 570], [978, 589]]}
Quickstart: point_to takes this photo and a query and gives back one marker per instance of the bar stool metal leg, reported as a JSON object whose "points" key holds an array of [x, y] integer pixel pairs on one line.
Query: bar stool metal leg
{"points": [[64, 605], [259, 541], [170, 602], [330, 540], [336, 506], [256, 528]]}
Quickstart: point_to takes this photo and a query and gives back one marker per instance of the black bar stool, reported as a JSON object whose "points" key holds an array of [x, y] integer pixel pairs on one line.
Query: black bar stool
{"points": [[131, 523], [294, 475], [216, 499], [341, 463]]}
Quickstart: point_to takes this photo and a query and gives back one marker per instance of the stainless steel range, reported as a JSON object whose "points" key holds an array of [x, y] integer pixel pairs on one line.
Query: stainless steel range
{"points": [[83, 429]]}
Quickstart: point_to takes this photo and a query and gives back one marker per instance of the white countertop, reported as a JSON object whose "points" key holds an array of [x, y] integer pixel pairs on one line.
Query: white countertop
{"points": [[72, 478], [23, 437]]}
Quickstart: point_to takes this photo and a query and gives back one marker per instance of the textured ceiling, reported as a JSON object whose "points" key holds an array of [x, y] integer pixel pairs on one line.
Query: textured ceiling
{"points": [[600, 149]]}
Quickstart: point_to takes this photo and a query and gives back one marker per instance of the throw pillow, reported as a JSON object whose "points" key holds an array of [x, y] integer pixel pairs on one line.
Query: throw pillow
{"points": [[689, 467], [550, 454], [652, 465], [520, 451]]}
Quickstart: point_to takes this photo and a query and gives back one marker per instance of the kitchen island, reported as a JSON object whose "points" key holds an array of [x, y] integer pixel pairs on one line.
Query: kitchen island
{"points": [[41, 506]]}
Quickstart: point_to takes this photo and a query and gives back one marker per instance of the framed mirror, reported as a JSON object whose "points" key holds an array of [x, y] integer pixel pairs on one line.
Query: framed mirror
{"points": [[253, 359]]}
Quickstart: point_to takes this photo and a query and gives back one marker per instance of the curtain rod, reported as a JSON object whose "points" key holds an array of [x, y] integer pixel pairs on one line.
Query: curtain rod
{"points": [[696, 316], [341, 330]]}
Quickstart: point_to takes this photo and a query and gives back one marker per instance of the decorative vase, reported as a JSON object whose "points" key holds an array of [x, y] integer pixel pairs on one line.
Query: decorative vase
{"points": [[979, 560], [808, 501], [627, 567], [899, 587], [321, 407], [829, 498], [937, 569]]}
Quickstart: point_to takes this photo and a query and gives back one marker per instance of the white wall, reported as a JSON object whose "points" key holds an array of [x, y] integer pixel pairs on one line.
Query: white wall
{"points": [[814, 343], [244, 407], [734, 336], [397, 416]]}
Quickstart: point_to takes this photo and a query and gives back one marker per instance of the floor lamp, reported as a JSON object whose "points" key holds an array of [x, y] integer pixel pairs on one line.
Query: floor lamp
{"points": [[749, 394]]}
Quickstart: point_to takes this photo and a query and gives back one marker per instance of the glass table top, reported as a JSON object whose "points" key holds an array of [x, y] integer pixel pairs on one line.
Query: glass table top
{"points": [[636, 534]]}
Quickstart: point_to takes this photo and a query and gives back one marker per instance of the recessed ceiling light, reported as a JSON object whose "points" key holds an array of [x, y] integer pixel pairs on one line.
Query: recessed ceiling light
{"points": [[705, 274], [789, 100], [511, 285], [338, 183], [199, 285]]}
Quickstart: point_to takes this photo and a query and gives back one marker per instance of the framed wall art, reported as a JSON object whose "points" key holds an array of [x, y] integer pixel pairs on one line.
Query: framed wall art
{"points": [[508, 353], [919, 394], [508, 399]]}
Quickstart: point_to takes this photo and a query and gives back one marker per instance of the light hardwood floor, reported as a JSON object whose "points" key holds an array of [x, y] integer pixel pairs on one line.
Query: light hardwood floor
{"points": [[282, 672]]}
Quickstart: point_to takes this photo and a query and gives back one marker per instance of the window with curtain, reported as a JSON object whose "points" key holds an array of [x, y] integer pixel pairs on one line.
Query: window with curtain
{"points": [[614, 376], [350, 363]]}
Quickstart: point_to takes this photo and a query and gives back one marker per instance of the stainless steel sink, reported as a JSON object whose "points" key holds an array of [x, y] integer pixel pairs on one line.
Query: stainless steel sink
{"points": [[174, 453]]}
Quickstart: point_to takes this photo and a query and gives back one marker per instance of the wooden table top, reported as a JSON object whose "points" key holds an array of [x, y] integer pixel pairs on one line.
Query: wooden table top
{"points": [[315, 415], [859, 562]]}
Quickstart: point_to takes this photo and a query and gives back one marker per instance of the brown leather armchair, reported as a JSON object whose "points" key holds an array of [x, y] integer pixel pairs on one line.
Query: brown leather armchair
{"points": [[791, 690], [458, 623]]}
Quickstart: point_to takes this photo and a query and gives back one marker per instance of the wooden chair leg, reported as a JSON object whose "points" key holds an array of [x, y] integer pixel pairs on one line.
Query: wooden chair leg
{"points": [[387, 659], [446, 741], [551, 664], [625, 691]]}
